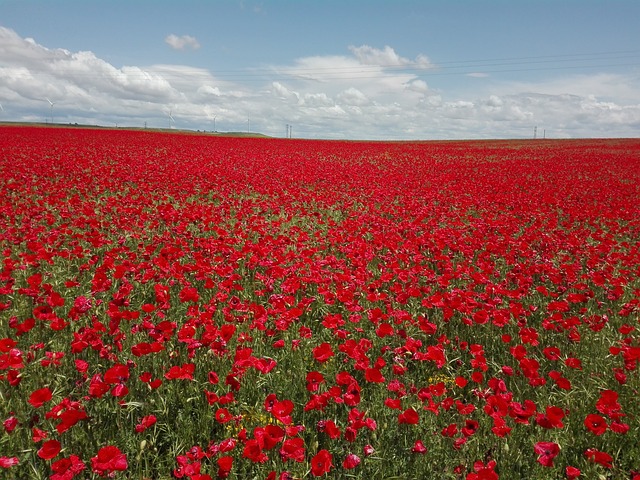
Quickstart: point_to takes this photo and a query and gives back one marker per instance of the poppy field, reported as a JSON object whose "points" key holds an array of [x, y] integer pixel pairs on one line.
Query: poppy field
{"points": [[201, 307]]}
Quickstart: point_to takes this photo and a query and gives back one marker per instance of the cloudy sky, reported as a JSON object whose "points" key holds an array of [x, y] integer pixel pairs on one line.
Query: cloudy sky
{"points": [[395, 69]]}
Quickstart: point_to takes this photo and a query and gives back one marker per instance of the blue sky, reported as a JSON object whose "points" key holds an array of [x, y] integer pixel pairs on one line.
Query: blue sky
{"points": [[331, 69]]}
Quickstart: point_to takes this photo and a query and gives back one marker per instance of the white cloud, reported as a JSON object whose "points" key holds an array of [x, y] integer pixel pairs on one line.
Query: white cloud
{"points": [[354, 97], [387, 57], [366, 93], [182, 42]]}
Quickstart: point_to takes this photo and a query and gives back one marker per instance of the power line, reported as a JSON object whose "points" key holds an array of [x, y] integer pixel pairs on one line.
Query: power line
{"points": [[532, 63]]}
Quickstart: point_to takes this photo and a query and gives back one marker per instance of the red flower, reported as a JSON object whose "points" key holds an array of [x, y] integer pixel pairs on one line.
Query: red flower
{"points": [[572, 473], [483, 472], [281, 411], [40, 397], [189, 294], [50, 449], [418, 447], [351, 461], [184, 372], [601, 458], [608, 403], [547, 451], [38, 435], [145, 423], [109, 460], [293, 449], [116, 374], [224, 466], [323, 352], [8, 462], [10, 424], [321, 463], [330, 428], [409, 416], [269, 436], [314, 379], [595, 423], [552, 418], [67, 468], [253, 452]]}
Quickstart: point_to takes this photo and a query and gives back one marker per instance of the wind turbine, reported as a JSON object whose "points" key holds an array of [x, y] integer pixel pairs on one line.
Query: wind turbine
{"points": [[51, 104], [173, 122]]}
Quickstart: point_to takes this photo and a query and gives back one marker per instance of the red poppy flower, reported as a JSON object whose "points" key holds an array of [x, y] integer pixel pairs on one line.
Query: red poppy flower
{"points": [[40, 397], [109, 460], [409, 416], [546, 451], [116, 374], [269, 436], [595, 423], [224, 466], [67, 468], [323, 352], [253, 452], [314, 379], [330, 428], [418, 447], [483, 472], [50, 449], [572, 473], [321, 463], [351, 461], [8, 462], [601, 458], [184, 372], [292, 449], [10, 424], [38, 435], [145, 423]]}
